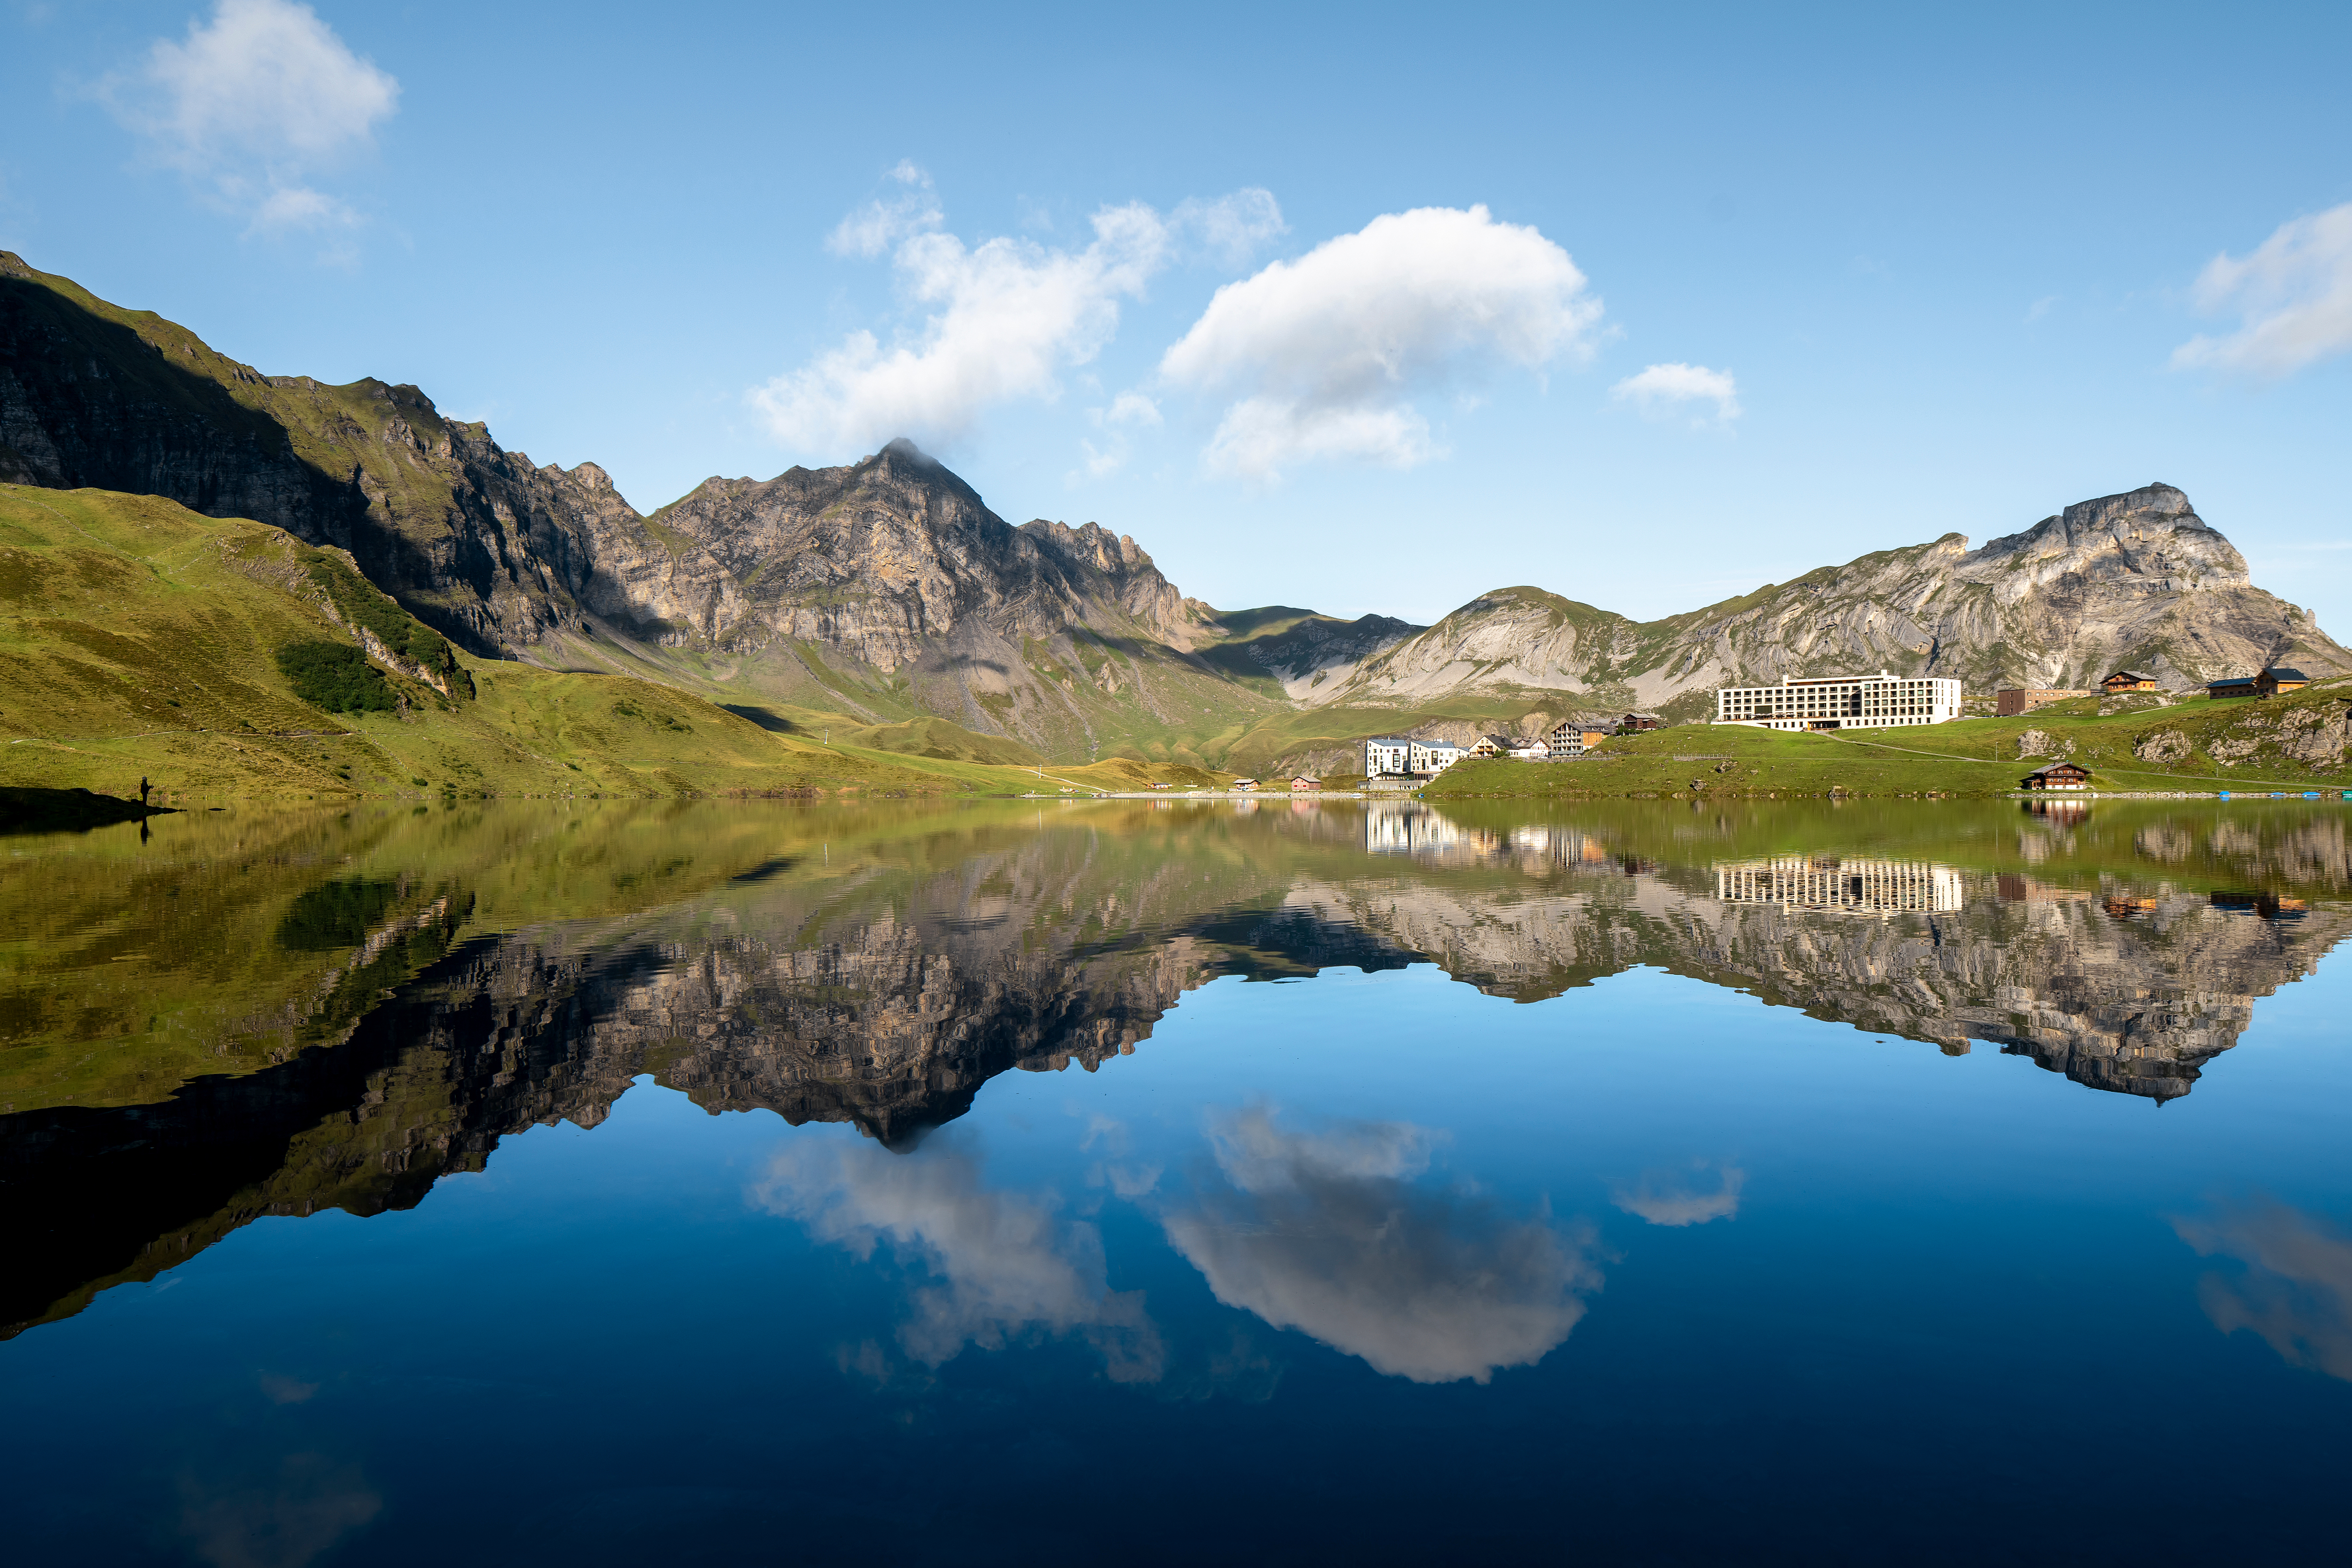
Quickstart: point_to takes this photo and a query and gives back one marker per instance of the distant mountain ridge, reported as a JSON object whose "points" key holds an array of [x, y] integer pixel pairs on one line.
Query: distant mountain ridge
{"points": [[887, 592], [2137, 579]]}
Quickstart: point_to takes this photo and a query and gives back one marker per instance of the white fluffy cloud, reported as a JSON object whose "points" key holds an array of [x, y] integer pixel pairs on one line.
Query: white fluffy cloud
{"points": [[1004, 317], [1328, 1234], [2294, 295], [1000, 1265], [1324, 356], [1662, 388], [256, 102]]}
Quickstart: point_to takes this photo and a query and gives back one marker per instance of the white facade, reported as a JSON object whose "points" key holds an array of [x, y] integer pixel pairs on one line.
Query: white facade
{"points": [[1830, 882], [1534, 750], [1842, 702], [1386, 754], [1434, 756]]}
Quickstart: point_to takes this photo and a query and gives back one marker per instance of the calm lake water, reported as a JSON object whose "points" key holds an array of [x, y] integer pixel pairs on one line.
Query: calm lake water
{"points": [[1166, 1182]]}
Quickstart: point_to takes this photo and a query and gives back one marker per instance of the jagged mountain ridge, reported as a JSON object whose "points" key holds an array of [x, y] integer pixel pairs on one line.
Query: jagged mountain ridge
{"points": [[889, 587], [886, 590], [2136, 581]]}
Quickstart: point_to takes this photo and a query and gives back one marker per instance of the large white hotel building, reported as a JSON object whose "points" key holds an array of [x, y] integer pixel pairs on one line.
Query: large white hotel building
{"points": [[1842, 702]]}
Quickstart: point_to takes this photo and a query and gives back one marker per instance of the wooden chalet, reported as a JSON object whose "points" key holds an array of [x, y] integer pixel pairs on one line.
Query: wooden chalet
{"points": [[2270, 683], [2057, 776], [1243, 784], [1634, 723], [2127, 681], [1306, 781]]}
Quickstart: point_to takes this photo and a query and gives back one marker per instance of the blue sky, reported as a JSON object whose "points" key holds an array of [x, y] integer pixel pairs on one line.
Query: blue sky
{"points": [[1645, 308]]}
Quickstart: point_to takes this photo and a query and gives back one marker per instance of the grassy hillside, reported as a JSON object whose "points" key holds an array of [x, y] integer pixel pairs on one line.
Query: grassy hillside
{"points": [[223, 657], [2295, 742]]}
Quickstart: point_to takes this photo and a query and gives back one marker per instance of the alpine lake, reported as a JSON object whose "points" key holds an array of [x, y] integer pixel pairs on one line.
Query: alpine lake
{"points": [[1174, 1182]]}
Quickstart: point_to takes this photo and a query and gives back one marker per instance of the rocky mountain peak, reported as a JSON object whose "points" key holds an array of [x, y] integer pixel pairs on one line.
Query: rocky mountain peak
{"points": [[2150, 533]]}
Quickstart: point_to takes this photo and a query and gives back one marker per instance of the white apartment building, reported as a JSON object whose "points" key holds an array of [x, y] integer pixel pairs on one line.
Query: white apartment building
{"points": [[1842, 702], [1434, 755], [1386, 754]]}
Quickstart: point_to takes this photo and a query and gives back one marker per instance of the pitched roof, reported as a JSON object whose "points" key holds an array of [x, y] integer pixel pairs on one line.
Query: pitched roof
{"points": [[2232, 681], [2281, 673], [2129, 675]]}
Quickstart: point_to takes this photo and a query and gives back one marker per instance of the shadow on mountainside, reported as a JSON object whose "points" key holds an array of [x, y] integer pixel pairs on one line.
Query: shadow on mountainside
{"points": [[89, 403]]}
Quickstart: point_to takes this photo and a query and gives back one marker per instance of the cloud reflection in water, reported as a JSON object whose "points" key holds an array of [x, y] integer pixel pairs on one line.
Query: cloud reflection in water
{"points": [[1662, 1199], [280, 1514], [1002, 1264], [2296, 1289], [1329, 1235]]}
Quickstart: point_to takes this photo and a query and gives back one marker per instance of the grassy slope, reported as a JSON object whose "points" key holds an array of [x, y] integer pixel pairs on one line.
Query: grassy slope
{"points": [[334, 429], [137, 639], [1972, 757]]}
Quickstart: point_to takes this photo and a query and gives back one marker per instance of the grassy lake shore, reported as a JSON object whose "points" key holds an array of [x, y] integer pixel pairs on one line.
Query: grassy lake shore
{"points": [[2193, 747]]}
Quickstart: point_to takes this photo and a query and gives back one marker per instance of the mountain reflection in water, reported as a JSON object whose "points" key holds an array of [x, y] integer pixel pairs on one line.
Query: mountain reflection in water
{"points": [[256, 1016]]}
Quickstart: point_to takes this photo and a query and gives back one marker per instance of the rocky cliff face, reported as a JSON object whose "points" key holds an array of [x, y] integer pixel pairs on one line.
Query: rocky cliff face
{"points": [[889, 588], [2135, 580]]}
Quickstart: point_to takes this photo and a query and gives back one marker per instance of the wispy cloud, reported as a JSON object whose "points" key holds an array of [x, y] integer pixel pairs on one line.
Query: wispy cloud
{"points": [[1130, 410], [1002, 320], [1326, 357], [885, 220], [256, 105], [2294, 294], [1662, 389]]}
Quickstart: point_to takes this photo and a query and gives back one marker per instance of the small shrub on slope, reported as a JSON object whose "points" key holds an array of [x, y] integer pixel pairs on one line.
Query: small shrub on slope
{"points": [[334, 676]]}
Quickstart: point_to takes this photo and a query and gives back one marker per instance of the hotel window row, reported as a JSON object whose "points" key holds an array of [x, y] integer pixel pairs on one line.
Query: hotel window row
{"points": [[1862, 702]]}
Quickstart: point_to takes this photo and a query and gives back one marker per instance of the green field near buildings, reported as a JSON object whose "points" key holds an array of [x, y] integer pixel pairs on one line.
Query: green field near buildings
{"points": [[2290, 743]]}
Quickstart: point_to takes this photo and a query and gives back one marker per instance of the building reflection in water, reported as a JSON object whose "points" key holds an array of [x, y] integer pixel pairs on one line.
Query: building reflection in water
{"points": [[1842, 884], [1410, 828]]}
